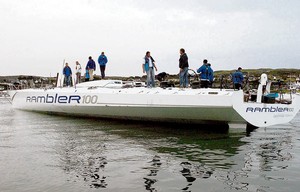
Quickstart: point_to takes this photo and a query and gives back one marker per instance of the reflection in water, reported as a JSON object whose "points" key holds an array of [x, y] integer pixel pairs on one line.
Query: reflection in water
{"points": [[191, 172], [271, 149], [153, 168], [122, 156], [232, 180], [205, 151], [82, 158], [267, 155], [274, 151], [82, 151]]}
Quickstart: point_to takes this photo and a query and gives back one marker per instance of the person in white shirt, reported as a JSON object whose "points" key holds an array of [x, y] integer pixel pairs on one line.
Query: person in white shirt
{"points": [[78, 72], [148, 67]]}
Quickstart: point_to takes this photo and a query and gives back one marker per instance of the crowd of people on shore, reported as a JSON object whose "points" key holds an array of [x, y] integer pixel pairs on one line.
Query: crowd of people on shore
{"points": [[206, 73]]}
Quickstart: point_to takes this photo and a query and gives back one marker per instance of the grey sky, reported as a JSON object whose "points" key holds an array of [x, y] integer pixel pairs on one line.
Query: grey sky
{"points": [[37, 35]]}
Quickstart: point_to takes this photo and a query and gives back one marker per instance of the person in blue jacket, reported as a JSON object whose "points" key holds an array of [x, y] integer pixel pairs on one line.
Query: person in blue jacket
{"points": [[206, 74], [102, 60], [68, 74], [237, 78], [91, 67], [148, 68]]}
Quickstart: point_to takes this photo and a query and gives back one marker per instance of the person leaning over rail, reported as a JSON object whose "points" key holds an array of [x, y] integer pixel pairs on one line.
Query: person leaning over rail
{"points": [[68, 74], [183, 69], [148, 67], [237, 78], [78, 72], [91, 67]]}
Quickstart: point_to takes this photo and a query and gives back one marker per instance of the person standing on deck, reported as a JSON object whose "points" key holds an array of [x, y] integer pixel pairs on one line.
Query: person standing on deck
{"points": [[237, 78], [68, 74], [91, 67], [102, 60], [183, 69], [78, 72], [148, 67], [206, 74]]}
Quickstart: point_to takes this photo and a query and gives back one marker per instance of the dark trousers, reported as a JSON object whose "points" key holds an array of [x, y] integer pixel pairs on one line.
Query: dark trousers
{"points": [[237, 86], [102, 69], [78, 76], [204, 84]]}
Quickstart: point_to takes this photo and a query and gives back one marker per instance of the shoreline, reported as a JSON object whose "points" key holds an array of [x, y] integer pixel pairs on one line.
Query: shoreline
{"points": [[285, 76]]}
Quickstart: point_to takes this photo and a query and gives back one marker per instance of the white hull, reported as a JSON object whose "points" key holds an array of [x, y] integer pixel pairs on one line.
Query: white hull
{"points": [[93, 99]]}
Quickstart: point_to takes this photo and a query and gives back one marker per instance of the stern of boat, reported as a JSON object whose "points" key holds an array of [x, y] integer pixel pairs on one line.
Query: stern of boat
{"points": [[265, 114]]}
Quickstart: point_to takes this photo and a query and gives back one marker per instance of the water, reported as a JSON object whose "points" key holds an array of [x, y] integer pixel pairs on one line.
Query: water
{"points": [[41, 152]]}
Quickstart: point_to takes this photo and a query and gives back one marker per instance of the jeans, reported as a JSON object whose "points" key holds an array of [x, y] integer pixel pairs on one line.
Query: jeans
{"points": [[150, 77], [183, 77], [68, 80], [102, 70]]}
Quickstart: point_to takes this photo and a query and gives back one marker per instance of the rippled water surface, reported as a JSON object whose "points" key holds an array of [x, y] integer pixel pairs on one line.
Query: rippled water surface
{"points": [[41, 152]]}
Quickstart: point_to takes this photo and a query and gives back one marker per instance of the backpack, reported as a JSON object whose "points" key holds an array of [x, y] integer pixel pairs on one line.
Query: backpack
{"points": [[87, 75]]}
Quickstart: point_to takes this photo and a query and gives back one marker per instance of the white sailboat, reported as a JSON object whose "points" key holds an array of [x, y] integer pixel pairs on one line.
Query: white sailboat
{"points": [[111, 99]]}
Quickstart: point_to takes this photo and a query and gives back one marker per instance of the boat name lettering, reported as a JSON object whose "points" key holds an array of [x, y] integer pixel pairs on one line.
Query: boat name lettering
{"points": [[269, 109], [89, 99], [54, 99]]}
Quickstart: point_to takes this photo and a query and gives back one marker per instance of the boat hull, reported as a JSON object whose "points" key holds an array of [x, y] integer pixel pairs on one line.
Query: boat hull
{"points": [[157, 114], [162, 105]]}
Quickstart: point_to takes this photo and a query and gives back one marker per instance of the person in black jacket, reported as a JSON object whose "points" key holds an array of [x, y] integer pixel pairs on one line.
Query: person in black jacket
{"points": [[183, 69]]}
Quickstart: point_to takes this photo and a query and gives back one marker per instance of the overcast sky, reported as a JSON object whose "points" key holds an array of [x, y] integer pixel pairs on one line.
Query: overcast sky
{"points": [[37, 35]]}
